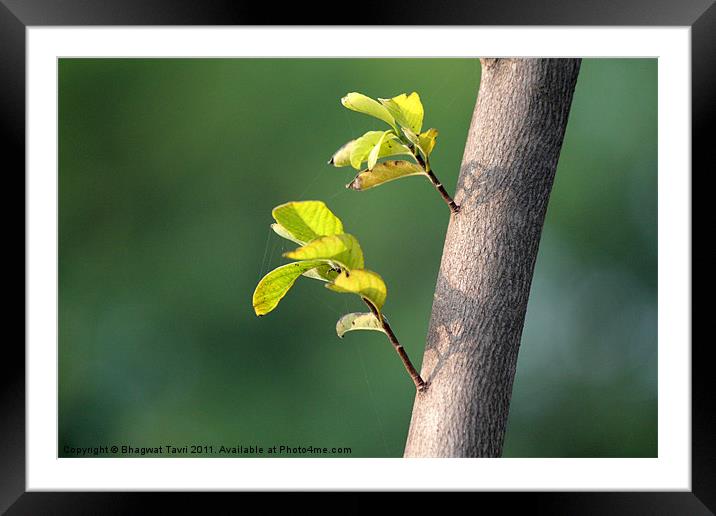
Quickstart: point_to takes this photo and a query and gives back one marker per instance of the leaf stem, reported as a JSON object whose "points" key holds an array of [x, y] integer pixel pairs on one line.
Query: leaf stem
{"points": [[420, 384]]}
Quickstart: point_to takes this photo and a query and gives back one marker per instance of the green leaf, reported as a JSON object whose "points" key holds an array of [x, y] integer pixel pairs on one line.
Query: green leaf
{"points": [[407, 110], [343, 250], [361, 148], [366, 105], [358, 321], [384, 173], [284, 233], [367, 284], [274, 286], [342, 157], [392, 146], [375, 151], [411, 136], [363, 145], [427, 141], [323, 273], [306, 220]]}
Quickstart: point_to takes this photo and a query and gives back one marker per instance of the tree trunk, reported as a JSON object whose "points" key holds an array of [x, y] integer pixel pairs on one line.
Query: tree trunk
{"points": [[489, 256]]}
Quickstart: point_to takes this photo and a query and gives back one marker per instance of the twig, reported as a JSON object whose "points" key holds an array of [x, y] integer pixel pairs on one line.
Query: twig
{"points": [[420, 384], [443, 193], [454, 208]]}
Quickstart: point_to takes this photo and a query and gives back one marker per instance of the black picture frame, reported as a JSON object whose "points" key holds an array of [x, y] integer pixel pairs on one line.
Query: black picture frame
{"points": [[17, 15]]}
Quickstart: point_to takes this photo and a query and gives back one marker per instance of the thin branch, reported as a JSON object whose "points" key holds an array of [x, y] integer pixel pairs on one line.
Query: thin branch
{"points": [[454, 208], [443, 193], [420, 384]]}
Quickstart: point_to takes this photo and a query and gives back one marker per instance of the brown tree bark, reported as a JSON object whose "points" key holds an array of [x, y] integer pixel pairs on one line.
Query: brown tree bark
{"points": [[489, 255]]}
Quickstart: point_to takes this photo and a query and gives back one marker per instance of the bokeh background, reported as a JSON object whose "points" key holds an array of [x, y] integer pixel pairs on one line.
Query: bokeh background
{"points": [[168, 173]]}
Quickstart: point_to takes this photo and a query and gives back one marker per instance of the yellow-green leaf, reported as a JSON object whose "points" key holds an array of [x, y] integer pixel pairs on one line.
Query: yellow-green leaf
{"points": [[427, 141], [306, 220], [284, 233], [273, 287], [343, 250], [407, 110], [393, 147], [323, 273], [342, 157], [375, 151], [362, 147], [365, 283], [368, 106], [358, 321], [411, 136], [384, 173]]}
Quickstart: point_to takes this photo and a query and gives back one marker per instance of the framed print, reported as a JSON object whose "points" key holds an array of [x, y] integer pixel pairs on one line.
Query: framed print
{"points": [[501, 196]]}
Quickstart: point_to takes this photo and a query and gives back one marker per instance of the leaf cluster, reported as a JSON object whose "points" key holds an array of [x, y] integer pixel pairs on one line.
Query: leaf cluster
{"points": [[325, 253], [404, 140]]}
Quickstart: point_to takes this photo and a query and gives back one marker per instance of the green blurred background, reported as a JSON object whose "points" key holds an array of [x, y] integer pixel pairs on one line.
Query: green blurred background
{"points": [[168, 172]]}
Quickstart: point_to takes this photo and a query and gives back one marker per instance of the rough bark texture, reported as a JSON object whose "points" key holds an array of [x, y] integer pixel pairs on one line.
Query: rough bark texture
{"points": [[489, 256]]}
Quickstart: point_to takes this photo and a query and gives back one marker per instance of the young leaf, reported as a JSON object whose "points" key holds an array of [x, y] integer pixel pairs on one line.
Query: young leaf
{"points": [[306, 220], [375, 151], [427, 141], [366, 105], [385, 172], [342, 157], [364, 283], [284, 233], [358, 321], [356, 152], [407, 110], [276, 283], [363, 145], [411, 136], [342, 249], [325, 272], [392, 147]]}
